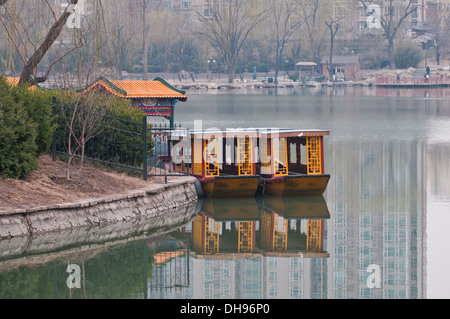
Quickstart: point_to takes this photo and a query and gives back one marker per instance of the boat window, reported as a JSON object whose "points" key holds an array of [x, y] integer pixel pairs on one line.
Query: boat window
{"points": [[293, 151], [304, 154], [228, 155]]}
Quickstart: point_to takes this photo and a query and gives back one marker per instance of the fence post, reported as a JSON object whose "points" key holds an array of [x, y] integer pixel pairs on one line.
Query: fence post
{"points": [[144, 130], [54, 133]]}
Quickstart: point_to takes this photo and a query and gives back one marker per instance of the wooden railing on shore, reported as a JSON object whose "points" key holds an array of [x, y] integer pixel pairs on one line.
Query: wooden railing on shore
{"points": [[432, 81]]}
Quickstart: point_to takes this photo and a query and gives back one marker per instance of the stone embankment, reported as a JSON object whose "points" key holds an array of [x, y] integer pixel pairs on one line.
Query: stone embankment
{"points": [[152, 201], [238, 85], [363, 78]]}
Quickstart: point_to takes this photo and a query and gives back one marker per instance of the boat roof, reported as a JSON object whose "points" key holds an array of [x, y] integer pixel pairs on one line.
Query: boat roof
{"points": [[258, 132]]}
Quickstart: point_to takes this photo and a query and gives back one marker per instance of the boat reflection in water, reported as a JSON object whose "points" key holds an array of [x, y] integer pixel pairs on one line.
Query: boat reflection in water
{"points": [[256, 226]]}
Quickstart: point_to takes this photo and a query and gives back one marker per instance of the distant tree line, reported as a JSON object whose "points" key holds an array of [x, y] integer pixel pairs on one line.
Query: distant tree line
{"points": [[122, 37]]}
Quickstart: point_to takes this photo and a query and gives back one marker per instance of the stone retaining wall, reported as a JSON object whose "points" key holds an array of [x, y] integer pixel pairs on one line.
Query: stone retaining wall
{"points": [[152, 201]]}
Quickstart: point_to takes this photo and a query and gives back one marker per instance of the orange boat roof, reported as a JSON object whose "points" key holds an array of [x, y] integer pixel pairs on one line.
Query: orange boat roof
{"points": [[156, 89]]}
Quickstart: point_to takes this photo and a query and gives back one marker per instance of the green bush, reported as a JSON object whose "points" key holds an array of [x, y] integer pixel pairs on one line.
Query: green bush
{"points": [[407, 55], [260, 67], [18, 135], [37, 103], [293, 77]]}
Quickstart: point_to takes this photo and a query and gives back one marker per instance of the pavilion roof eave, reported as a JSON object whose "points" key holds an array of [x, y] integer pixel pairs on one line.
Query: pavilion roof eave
{"points": [[156, 89]]}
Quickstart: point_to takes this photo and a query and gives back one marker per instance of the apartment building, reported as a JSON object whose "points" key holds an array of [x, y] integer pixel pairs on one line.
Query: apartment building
{"points": [[370, 16]]}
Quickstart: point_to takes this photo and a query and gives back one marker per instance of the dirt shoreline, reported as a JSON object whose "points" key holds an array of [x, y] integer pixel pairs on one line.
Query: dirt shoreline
{"points": [[48, 185]]}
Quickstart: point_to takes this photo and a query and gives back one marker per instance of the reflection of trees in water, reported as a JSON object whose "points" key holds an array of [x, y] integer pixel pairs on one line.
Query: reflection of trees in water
{"points": [[114, 273]]}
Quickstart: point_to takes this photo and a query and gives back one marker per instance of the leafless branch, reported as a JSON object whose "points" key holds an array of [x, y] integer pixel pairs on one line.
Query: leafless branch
{"points": [[51, 37]]}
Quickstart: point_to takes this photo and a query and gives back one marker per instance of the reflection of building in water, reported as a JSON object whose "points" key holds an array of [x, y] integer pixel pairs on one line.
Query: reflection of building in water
{"points": [[438, 171], [376, 219], [171, 266], [262, 277], [258, 255], [377, 197]]}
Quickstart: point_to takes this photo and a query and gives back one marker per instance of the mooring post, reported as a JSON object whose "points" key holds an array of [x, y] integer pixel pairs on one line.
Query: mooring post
{"points": [[144, 130]]}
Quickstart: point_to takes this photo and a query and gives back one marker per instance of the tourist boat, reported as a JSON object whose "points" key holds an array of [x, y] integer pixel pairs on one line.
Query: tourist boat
{"points": [[222, 161], [292, 162], [241, 162]]}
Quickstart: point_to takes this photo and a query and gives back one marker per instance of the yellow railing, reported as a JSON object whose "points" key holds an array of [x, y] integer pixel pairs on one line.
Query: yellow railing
{"points": [[245, 156], [212, 236], [314, 149], [211, 153], [314, 236], [245, 239], [280, 157], [280, 233]]}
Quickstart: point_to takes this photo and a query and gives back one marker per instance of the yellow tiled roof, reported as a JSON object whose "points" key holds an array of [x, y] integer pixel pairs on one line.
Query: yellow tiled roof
{"points": [[12, 81], [105, 85], [157, 88], [15, 81], [150, 89]]}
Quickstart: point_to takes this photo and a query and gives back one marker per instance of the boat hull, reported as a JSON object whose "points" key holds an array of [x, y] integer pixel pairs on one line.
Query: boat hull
{"points": [[295, 185], [230, 186]]}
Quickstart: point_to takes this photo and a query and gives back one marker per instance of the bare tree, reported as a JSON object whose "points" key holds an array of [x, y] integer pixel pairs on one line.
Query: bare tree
{"points": [[227, 27], [83, 122], [311, 12], [394, 16], [144, 5], [333, 26], [29, 71], [285, 24], [333, 23], [439, 26]]}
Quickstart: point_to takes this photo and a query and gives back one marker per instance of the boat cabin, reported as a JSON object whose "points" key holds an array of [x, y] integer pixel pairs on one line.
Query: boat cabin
{"points": [[243, 159]]}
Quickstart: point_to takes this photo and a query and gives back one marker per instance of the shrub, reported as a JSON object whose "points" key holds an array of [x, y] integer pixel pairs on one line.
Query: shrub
{"points": [[293, 77], [37, 103], [260, 67], [407, 55], [18, 135]]}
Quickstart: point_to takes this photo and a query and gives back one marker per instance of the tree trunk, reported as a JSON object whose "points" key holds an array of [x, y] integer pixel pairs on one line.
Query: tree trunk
{"points": [[391, 53], [231, 75], [51, 37], [438, 55], [277, 66], [330, 66], [145, 51]]}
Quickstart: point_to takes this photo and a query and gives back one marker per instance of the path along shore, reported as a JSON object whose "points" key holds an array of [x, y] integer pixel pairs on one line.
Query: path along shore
{"points": [[364, 78], [145, 203]]}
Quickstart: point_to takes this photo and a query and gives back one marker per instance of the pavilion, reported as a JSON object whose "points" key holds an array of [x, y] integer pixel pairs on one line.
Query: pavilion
{"points": [[156, 98]]}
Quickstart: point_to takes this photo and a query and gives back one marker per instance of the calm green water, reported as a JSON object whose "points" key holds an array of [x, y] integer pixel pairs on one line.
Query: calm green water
{"points": [[379, 231]]}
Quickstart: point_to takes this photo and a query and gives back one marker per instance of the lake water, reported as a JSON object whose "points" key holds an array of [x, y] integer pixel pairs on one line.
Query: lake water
{"points": [[379, 231]]}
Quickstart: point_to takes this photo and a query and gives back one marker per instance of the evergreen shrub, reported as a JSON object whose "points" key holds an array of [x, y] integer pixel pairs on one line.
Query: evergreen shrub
{"points": [[18, 134]]}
